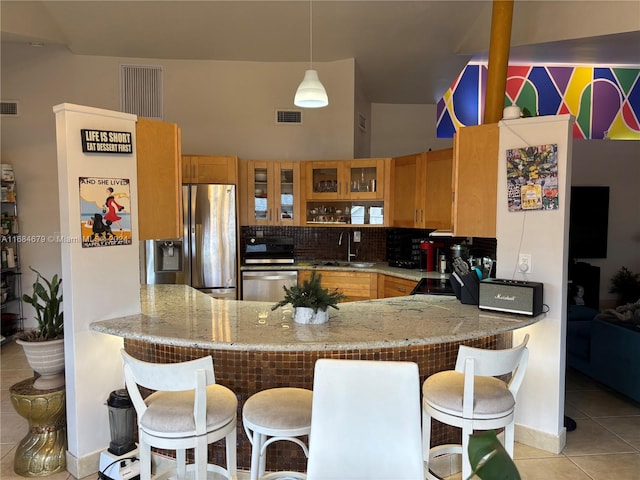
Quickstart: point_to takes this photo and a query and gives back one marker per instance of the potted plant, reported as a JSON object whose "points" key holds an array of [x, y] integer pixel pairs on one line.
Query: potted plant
{"points": [[488, 458], [626, 285], [44, 345], [310, 301]]}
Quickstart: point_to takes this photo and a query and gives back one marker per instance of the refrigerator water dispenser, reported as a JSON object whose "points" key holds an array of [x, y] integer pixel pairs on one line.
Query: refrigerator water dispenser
{"points": [[168, 256]]}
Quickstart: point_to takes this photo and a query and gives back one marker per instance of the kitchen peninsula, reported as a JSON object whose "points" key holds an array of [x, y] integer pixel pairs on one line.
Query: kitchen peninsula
{"points": [[255, 348]]}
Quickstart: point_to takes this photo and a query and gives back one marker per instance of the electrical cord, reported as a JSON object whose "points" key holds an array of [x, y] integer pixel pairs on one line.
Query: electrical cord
{"points": [[103, 476]]}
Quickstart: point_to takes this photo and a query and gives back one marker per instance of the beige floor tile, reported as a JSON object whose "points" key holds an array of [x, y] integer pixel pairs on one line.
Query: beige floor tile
{"points": [[575, 380], [627, 428], [11, 377], [14, 428], [608, 467], [600, 403], [574, 412], [559, 468], [590, 438], [521, 451]]}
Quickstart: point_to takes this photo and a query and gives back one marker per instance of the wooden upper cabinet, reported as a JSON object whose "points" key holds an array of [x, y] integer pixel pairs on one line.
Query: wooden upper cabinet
{"points": [[422, 189], [437, 194], [159, 180], [475, 180], [406, 189], [270, 192], [358, 179], [210, 169]]}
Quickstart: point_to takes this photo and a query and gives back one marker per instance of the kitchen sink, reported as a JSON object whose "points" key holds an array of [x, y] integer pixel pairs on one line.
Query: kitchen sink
{"points": [[330, 263], [361, 264]]}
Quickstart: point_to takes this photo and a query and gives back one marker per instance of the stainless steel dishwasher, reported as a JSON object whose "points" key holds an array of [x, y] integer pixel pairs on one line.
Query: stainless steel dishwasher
{"points": [[267, 286]]}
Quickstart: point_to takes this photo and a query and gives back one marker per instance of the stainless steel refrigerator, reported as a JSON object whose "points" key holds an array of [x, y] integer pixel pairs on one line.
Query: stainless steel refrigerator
{"points": [[206, 257]]}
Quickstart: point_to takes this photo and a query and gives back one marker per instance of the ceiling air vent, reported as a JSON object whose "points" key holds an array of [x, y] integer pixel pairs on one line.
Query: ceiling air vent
{"points": [[289, 117], [141, 90], [9, 108]]}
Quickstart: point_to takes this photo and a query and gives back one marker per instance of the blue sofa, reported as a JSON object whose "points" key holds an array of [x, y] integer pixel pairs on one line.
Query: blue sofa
{"points": [[605, 348]]}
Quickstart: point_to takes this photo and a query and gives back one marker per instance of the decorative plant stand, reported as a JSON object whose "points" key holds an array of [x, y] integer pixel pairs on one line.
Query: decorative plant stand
{"points": [[43, 450]]}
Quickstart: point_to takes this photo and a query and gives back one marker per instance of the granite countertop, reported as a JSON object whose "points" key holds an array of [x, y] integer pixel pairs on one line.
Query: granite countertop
{"points": [[179, 315], [377, 267]]}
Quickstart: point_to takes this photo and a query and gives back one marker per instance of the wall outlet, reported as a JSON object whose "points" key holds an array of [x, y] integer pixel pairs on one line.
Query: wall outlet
{"points": [[524, 263], [356, 236]]}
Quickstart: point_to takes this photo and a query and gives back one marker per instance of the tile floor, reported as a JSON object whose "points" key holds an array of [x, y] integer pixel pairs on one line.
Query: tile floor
{"points": [[605, 445]]}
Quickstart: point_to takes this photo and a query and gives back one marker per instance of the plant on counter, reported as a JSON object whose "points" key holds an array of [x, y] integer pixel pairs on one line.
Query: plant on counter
{"points": [[47, 303], [310, 295], [627, 285]]}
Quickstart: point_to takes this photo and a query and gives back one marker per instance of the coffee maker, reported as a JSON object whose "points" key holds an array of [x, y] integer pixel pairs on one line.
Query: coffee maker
{"points": [[429, 256]]}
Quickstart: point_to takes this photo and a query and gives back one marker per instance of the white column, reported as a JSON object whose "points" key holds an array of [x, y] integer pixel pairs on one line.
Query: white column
{"points": [[98, 283], [545, 235]]}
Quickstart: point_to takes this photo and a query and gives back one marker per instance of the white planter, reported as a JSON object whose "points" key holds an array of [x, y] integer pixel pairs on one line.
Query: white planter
{"points": [[47, 359], [305, 315]]}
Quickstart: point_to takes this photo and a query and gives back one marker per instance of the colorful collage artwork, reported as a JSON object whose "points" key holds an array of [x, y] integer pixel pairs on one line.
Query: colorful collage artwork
{"points": [[532, 178]]}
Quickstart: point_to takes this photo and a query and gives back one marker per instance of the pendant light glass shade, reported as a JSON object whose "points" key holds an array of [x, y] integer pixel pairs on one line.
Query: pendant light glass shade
{"points": [[311, 93]]}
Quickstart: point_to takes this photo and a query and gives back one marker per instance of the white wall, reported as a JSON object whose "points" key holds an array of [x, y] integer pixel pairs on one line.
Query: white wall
{"points": [[98, 283], [403, 129], [221, 107], [545, 235]]}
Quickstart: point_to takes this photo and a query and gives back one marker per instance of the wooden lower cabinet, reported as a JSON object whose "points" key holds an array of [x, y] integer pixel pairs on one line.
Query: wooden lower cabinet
{"points": [[355, 285], [389, 286]]}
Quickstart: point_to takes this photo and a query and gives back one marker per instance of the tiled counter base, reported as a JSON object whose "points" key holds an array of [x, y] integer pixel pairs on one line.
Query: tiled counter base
{"points": [[248, 372]]}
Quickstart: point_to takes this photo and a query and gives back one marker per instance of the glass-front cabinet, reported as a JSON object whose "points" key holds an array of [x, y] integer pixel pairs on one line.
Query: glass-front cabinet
{"points": [[273, 190], [346, 179], [346, 191]]}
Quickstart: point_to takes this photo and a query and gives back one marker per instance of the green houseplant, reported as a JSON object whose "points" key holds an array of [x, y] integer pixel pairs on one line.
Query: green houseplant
{"points": [[626, 285], [47, 303], [44, 345], [488, 458], [310, 300]]}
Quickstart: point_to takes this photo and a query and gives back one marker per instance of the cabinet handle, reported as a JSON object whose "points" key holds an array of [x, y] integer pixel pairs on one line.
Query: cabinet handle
{"points": [[402, 289], [415, 215], [421, 216]]}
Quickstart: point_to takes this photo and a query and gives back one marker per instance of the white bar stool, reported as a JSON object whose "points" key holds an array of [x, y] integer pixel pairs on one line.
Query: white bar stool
{"points": [[470, 397], [272, 415]]}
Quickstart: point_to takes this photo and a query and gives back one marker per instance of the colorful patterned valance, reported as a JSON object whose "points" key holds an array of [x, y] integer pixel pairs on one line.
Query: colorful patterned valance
{"points": [[604, 100]]}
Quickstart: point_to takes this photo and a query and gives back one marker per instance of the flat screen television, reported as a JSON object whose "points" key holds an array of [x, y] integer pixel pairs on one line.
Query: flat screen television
{"points": [[588, 222]]}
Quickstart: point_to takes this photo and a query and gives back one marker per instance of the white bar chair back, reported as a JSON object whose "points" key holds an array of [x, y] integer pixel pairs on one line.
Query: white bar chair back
{"points": [[187, 410], [365, 421], [472, 398]]}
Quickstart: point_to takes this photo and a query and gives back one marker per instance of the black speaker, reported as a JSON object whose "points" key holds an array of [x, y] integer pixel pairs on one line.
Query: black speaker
{"points": [[511, 296]]}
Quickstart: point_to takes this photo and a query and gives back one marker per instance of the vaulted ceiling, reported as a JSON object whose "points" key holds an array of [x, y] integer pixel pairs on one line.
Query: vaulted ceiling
{"points": [[405, 51]]}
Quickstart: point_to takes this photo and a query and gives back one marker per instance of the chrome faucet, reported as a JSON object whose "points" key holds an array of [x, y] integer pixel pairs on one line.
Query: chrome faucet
{"points": [[349, 254]]}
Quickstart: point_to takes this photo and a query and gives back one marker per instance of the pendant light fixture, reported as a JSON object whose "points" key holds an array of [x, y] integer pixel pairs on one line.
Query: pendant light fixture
{"points": [[311, 93]]}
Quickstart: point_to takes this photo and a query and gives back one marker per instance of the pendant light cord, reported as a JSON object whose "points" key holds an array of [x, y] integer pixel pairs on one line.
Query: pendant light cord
{"points": [[310, 34]]}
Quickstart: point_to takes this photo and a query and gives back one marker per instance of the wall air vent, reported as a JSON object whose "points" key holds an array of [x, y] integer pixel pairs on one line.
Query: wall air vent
{"points": [[141, 90], [362, 122], [9, 108], [289, 117]]}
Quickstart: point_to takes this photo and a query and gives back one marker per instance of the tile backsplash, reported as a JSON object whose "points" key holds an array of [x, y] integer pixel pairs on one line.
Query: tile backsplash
{"points": [[321, 243]]}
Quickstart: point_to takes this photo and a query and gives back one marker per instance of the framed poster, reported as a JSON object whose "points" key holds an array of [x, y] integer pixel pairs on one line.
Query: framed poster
{"points": [[532, 178], [105, 211]]}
